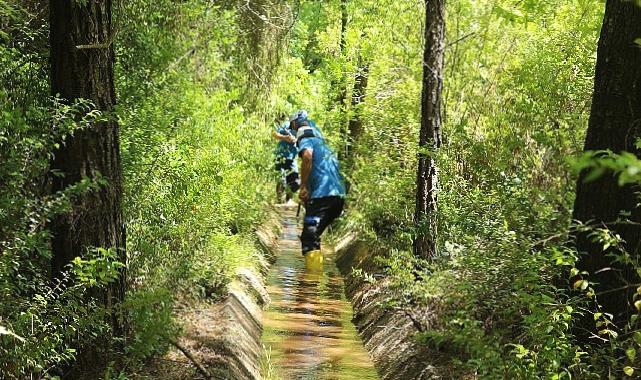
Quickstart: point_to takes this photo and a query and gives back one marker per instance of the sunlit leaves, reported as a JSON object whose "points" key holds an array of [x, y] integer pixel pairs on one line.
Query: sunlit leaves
{"points": [[631, 353], [625, 165], [581, 284], [100, 268], [5, 331]]}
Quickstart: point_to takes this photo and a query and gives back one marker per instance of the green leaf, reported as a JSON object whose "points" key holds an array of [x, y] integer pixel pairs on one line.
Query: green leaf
{"points": [[594, 174], [628, 370], [5, 331], [631, 353]]}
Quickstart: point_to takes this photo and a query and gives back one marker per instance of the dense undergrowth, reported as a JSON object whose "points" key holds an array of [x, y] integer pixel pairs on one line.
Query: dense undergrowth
{"points": [[197, 170], [518, 87]]}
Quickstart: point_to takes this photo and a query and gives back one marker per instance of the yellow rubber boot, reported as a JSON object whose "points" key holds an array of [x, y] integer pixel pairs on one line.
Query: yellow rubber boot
{"points": [[314, 261]]}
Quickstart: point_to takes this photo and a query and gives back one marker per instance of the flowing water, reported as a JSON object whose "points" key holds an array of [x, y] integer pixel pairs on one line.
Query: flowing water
{"points": [[308, 330]]}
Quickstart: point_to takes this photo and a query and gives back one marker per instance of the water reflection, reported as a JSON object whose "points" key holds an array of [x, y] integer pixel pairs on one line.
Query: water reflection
{"points": [[308, 327]]}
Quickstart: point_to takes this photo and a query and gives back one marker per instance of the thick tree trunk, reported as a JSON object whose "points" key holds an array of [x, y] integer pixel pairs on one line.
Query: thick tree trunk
{"points": [[615, 122], [82, 59], [430, 135]]}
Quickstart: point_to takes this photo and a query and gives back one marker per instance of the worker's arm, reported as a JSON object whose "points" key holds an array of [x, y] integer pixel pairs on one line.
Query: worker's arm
{"points": [[305, 170], [284, 137]]}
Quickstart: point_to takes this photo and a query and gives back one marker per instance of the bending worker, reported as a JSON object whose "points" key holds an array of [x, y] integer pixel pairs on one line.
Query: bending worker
{"points": [[322, 187], [286, 160]]}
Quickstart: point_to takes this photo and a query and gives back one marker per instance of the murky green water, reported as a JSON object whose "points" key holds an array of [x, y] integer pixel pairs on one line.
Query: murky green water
{"points": [[308, 331]]}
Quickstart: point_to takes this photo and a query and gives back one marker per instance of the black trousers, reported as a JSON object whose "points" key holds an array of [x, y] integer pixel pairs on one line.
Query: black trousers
{"points": [[319, 213], [291, 175]]}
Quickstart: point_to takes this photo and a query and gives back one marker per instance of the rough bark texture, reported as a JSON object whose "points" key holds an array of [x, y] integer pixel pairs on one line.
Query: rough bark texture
{"points": [[614, 124], [82, 60], [430, 135]]}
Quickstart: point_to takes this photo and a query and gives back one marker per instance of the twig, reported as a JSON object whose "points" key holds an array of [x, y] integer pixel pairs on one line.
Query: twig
{"points": [[629, 286], [95, 46], [543, 242], [189, 356], [104, 45], [176, 62], [460, 39], [173, 361]]}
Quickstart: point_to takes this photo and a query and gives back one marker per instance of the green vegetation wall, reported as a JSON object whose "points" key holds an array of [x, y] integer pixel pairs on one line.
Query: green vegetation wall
{"points": [[195, 106], [517, 92]]}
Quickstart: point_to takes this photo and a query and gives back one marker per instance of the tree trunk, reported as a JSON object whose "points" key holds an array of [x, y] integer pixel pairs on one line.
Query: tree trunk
{"points": [[614, 124], [430, 135], [341, 83], [355, 126], [344, 20], [82, 59]]}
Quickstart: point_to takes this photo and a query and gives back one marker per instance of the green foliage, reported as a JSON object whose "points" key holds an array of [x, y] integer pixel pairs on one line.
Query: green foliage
{"points": [[197, 172], [625, 165], [151, 318], [199, 83], [42, 320], [98, 268], [518, 86], [189, 146]]}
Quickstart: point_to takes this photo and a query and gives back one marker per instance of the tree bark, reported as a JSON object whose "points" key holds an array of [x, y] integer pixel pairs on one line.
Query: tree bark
{"points": [[430, 134], [82, 59], [344, 20], [341, 83], [355, 125], [614, 124]]}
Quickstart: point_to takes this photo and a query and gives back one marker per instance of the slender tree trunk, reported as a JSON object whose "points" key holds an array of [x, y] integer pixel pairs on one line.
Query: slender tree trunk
{"points": [[430, 135], [344, 20], [355, 125], [341, 94], [614, 124], [82, 59]]}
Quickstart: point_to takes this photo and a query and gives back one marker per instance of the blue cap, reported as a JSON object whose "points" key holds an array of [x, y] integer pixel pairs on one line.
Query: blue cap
{"points": [[302, 115], [299, 116]]}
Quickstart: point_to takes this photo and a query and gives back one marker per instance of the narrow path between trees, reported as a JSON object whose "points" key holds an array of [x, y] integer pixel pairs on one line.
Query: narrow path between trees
{"points": [[308, 333]]}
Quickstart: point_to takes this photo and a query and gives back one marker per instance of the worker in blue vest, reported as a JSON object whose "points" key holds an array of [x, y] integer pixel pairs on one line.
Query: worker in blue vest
{"points": [[322, 187], [289, 181]]}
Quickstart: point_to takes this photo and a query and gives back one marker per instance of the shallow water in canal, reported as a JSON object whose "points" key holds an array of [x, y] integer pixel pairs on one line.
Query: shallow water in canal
{"points": [[308, 330]]}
